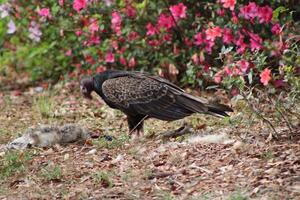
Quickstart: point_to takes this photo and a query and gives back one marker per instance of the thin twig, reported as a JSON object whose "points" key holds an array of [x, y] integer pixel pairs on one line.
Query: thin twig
{"points": [[259, 115], [138, 124], [281, 114]]}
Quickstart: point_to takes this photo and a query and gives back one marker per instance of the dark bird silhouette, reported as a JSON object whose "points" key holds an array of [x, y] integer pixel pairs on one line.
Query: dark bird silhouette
{"points": [[140, 96]]}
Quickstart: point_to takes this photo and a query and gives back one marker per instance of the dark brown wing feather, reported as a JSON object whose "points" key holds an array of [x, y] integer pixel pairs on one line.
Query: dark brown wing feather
{"points": [[142, 94]]}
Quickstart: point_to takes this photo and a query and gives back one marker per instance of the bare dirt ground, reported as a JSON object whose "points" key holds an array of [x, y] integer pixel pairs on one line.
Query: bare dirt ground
{"points": [[241, 165]]}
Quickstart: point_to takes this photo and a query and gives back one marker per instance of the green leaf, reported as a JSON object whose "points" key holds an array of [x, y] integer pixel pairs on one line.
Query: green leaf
{"points": [[278, 11]]}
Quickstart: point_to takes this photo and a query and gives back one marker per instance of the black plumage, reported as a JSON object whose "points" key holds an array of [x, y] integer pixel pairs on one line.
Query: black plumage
{"points": [[140, 96]]}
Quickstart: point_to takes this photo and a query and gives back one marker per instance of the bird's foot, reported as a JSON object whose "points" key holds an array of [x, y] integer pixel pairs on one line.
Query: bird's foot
{"points": [[184, 129], [136, 134]]}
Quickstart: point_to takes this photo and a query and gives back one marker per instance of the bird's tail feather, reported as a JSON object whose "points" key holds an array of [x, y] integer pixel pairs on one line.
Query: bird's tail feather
{"points": [[200, 105]]}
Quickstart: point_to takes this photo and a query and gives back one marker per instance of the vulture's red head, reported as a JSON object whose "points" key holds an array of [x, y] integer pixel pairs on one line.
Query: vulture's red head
{"points": [[87, 87]]}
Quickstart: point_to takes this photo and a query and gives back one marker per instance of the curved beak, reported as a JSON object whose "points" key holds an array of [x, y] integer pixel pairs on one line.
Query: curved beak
{"points": [[85, 92]]}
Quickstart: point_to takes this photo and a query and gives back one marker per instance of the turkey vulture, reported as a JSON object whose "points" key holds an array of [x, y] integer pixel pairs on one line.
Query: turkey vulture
{"points": [[141, 95]]}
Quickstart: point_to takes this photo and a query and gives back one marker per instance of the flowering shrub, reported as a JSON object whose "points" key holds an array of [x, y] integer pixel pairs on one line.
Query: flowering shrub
{"points": [[195, 42]]}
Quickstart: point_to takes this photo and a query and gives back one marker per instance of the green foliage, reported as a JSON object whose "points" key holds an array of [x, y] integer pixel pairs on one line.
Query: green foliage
{"points": [[237, 196], [51, 173], [13, 162], [165, 195], [268, 155], [102, 178], [113, 144], [44, 105], [61, 49]]}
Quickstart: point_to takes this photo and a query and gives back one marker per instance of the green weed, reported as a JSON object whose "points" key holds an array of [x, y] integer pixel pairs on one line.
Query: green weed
{"points": [[268, 155], [44, 105], [102, 178], [52, 173], [237, 196], [13, 162], [113, 144], [165, 195]]}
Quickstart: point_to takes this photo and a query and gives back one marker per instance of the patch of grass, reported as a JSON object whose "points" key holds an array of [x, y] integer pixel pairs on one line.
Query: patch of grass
{"points": [[126, 176], [13, 162], [52, 173], [165, 195], [4, 136], [237, 196], [267, 155], [3, 191], [133, 152], [113, 144], [102, 178], [44, 105]]}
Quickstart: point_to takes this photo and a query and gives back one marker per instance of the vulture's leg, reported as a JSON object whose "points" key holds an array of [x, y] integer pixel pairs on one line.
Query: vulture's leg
{"points": [[136, 125]]}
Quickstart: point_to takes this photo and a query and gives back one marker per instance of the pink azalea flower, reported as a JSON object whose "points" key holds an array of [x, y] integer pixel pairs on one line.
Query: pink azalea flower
{"points": [[115, 44], [93, 27], [123, 61], [133, 36], [218, 76], [78, 33], [199, 39], [242, 48], [69, 52], [234, 18], [44, 12], [228, 4], [234, 91], [116, 21], [79, 4], [227, 36], [130, 11], [100, 69], [11, 27], [167, 37], [176, 50], [249, 11], [34, 32], [165, 21], [188, 42], [61, 2], [255, 41], [4, 10], [265, 76], [276, 29], [151, 30], [236, 71], [241, 44], [265, 14], [221, 12], [244, 65], [116, 18], [154, 43], [178, 11], [110, 57], [108, 2], [206, 68], [209, 46], [93, 40], [213, 33], [228, 70], [172, 69], [195, 59], [132, 63]]}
